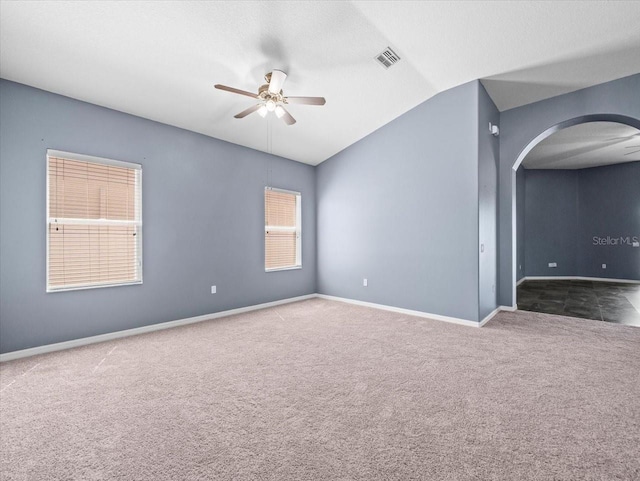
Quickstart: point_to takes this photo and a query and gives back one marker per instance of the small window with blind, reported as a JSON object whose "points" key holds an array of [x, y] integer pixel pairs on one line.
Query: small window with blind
{"points": [[94, 222], [282, 229]]}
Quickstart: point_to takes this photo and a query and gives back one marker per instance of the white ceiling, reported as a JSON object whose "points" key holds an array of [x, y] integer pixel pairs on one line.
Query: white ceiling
{"points": [[586, 145], [160, 60]]}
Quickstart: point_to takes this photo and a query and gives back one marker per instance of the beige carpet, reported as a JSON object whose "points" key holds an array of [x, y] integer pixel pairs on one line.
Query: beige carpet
{"points": [[321, 390]]}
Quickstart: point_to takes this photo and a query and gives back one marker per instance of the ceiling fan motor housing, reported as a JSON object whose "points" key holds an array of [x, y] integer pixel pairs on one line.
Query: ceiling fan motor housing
{"points": [[264, 94]]}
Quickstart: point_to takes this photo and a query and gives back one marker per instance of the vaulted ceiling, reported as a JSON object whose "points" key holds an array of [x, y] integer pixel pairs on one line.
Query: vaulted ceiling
{"points": [[160, 60]]}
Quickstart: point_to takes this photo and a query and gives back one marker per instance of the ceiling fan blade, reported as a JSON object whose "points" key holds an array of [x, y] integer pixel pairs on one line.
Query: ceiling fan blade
{"points": [[277, 81], [236, 91], [287, 117], [248, 111], [305, 100]]}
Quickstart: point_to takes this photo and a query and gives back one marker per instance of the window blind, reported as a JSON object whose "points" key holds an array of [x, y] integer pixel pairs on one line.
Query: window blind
{"points": [[282, 229], [94, 231]]}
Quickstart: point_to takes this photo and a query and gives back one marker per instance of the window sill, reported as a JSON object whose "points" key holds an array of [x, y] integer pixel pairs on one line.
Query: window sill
{"points": [[97, 286], [276, 269]]}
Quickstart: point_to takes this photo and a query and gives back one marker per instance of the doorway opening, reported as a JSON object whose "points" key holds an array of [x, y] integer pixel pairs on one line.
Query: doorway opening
{"points": [[577, 221]]}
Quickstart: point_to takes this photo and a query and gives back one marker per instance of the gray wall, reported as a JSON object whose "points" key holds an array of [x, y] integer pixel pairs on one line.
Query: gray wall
{"points": [[609, 206], [551, 222], [488, 160], [203, 221], [566, 209], [518, 129], [400, 208]]}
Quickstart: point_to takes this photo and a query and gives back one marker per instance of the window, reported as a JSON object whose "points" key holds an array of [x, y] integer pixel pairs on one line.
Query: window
{"points": [[94, 222], [282, 233]]}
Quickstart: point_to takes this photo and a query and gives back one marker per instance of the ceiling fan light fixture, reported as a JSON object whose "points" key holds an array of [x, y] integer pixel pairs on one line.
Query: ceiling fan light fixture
{"points": [[271, 98]]}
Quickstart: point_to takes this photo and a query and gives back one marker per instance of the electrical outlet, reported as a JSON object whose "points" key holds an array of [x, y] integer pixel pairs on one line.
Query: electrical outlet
{"points": [[604, 266], [213, 289], [553, 264], [365, 282]]}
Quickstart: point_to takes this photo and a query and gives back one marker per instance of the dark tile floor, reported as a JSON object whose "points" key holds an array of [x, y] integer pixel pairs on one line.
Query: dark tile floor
{"points": [[602, 301]]}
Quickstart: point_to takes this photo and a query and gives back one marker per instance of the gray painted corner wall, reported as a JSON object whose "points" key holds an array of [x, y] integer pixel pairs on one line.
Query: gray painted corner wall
{"points": [[400, 208], [577, 218], [519, 128], [203, 211], [488, 161]]}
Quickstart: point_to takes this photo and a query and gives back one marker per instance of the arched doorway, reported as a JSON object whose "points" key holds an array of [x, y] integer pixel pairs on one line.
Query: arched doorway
{"points": [[529, 147], [524, 127]]}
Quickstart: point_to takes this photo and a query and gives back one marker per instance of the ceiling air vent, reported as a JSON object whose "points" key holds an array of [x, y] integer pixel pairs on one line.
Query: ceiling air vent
{"points": [[388, 57]]}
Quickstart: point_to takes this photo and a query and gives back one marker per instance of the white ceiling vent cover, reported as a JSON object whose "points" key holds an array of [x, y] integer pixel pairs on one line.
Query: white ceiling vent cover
{"points": [[388, 57]]}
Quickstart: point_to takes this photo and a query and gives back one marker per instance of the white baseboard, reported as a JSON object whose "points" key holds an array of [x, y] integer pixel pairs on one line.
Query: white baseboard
{"points": [[489, 316], [409, 312], [496, 311], [34, 351], [576, 278], [509, 308]]}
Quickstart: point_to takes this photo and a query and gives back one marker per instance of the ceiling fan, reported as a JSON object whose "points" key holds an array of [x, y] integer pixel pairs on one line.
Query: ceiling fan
{"points": [[272, 99]]}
